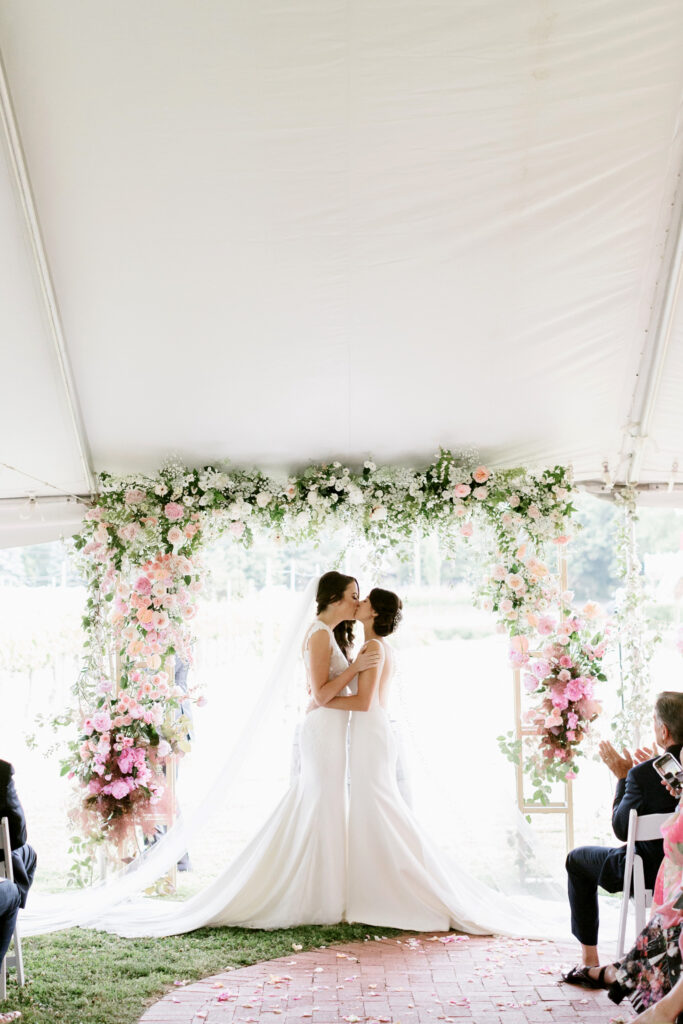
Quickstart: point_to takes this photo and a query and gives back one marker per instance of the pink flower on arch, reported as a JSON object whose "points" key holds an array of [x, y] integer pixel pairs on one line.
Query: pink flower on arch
{"points": [[467, 529], [101, 721], [174, 511], [461, 490], [481, 474], [575, 689], [545, 626]]}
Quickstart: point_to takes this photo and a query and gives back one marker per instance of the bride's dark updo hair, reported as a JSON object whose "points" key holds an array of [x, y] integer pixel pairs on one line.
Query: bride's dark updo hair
{"points": [[331, 587], [388, 607]]}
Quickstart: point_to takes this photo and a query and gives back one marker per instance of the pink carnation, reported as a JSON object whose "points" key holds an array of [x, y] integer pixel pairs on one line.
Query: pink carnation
{"points": [[174, 511]]}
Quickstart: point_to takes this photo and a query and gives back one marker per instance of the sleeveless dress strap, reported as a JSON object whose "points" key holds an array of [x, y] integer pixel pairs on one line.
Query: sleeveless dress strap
{"points": [[315, 627]]}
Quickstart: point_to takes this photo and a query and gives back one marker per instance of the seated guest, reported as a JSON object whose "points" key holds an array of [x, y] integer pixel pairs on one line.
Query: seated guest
{"points": [[10, 901], [638, 787], [650, 974], [23, 856]]}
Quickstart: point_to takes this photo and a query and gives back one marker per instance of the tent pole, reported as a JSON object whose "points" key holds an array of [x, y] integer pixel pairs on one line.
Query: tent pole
{"points": [[655, 351], [22, 179]]}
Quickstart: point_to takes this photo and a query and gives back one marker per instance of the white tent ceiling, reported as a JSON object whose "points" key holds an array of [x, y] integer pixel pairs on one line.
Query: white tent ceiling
{"points": [[281, 232]]}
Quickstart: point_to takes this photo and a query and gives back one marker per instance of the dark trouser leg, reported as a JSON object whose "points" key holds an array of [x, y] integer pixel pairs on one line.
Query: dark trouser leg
{"points": [[584, 866], [9, 908]]}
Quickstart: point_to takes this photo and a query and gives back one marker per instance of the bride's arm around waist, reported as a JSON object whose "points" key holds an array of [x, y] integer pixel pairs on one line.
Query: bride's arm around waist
{"points": [[368, 681], [324, 689]]}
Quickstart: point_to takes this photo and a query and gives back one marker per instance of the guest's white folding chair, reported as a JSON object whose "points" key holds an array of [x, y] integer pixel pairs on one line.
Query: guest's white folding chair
{"points": [[14, 959], [640, 829]]}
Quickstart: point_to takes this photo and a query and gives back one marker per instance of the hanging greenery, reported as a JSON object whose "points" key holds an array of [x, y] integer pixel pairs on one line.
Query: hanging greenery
{"points": [[637, 641]]}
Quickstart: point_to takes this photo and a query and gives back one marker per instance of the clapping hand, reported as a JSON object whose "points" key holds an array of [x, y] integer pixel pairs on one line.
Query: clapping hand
{"points": [[619, 764], [645, 753]]}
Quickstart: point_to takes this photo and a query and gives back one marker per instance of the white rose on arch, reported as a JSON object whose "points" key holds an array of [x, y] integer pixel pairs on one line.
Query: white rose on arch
{"points": [[263, 498], [355, 495]]}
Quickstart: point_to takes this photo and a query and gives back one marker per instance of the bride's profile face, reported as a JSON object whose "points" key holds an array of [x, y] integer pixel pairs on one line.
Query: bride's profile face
{"points": [[349, 602], [365, 612]]}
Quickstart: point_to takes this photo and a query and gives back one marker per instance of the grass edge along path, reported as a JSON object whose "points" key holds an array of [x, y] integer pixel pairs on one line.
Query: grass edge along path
{"points": [[81, 976]]}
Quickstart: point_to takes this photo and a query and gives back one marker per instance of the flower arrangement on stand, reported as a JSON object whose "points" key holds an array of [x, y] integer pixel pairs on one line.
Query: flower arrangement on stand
{"points": [[139, 553], [562, 679]]}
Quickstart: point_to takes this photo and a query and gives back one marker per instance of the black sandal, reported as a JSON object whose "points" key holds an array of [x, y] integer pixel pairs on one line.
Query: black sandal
{"points": [[580, 976]]}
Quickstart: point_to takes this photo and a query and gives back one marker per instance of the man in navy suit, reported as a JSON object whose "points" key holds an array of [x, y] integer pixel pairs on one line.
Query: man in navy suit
{"points": [[639, 787], [13, 896]]}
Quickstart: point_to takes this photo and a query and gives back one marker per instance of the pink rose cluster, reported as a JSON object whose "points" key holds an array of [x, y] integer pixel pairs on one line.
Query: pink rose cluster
{"points": [[564, 676], [475, 488], [151, 615], [521, 591], [122, 749]]}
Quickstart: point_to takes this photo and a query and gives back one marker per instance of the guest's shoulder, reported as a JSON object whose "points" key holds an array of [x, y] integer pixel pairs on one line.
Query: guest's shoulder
{"points": [[643, 772]]}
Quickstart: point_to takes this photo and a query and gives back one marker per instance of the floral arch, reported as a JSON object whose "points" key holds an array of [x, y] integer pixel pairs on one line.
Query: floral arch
{"points": [[140, 553]]}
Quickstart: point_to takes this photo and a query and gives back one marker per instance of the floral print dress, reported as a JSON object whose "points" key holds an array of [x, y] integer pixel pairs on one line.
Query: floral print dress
{"points": [[653, 966]]}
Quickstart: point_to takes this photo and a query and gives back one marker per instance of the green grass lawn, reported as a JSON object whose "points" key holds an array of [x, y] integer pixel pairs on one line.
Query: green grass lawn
{"points": [[87, 977]]}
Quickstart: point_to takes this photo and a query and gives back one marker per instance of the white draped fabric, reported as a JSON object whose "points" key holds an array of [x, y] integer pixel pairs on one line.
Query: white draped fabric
{"points": [[469, 202]]}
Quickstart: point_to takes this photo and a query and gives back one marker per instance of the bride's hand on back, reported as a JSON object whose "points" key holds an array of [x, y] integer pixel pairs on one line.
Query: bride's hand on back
{"points": [[367, 658]]}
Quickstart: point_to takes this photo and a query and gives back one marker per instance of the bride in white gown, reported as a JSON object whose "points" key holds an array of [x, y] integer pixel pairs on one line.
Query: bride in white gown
{"points": [[294, 870], [396, 876]]}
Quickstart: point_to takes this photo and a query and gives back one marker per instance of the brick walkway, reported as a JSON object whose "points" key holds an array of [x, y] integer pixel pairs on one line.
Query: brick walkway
{"points": [[396, 981]]}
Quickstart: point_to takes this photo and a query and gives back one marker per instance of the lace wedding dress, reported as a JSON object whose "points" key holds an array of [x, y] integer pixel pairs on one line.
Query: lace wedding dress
{"points": [[294, 870]]}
